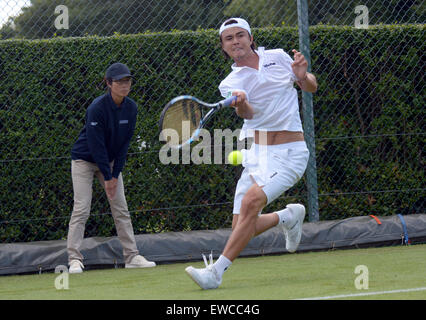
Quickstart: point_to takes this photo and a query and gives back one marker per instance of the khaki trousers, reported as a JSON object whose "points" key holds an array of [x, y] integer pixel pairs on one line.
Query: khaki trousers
{"points": [[82, 173]]}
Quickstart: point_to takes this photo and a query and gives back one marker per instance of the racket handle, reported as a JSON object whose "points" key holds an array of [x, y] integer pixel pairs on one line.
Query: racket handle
{"points": [[228, 101]]}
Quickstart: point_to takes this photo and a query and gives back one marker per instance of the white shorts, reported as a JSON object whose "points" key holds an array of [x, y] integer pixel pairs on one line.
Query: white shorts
{"points": [[276, 168]]}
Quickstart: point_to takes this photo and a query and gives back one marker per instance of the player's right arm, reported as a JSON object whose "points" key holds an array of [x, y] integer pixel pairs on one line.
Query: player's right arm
{"points": [[231, 86], [242, 107]]}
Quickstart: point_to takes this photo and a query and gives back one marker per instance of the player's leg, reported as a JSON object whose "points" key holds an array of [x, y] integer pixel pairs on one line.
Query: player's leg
{"points": [[82, 178], [284, 170], [288, 163], [266, 221], [263, 223], [245, 228], [211, 276], [248, 223]]}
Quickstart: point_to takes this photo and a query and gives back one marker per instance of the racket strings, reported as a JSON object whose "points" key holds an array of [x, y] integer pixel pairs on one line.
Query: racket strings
{"points": [[183, 117]]}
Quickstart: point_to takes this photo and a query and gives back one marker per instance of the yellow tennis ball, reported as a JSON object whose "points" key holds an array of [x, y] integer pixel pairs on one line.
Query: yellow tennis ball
{"points": [[235, 157]]}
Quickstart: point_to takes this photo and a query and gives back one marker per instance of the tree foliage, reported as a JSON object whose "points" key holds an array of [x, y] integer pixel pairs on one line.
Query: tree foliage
{"points": [[106, 17]]}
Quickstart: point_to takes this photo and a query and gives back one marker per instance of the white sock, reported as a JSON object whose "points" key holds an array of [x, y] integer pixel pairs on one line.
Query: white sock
{"points": [[222, 264], [285, 217]]}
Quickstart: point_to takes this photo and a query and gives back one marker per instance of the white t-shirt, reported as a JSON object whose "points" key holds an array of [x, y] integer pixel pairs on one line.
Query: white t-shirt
{"points": [[270, 91]]}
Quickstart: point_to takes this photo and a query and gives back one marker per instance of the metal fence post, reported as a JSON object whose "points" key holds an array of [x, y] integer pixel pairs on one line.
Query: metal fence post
{"points": [[308, 114]]}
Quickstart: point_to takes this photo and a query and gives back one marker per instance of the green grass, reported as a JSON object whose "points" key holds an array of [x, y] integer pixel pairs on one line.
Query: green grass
{"points": [[288, 276]]}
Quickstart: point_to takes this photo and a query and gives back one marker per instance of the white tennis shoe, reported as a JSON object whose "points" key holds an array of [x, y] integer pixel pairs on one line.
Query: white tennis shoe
{"points": [[139, 262], [206, 278], [293, 234], [76, 266]]}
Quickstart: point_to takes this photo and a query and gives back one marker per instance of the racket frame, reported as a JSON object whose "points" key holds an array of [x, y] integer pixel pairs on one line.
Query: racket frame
{"points": [[214, 107]]}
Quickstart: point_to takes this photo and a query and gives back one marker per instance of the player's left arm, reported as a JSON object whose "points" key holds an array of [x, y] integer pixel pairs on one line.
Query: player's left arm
{"points": [[306, 81]]}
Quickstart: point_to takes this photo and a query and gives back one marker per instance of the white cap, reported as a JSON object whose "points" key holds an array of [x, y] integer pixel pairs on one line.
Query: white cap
{"points": [[241, 23]]}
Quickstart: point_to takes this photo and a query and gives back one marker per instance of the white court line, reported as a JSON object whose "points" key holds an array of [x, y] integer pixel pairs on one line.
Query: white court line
{"points": [[365, 294]]}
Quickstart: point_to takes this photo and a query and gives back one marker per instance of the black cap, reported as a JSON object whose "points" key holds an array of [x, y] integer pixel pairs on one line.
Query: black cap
{"points": [[117, 71]]}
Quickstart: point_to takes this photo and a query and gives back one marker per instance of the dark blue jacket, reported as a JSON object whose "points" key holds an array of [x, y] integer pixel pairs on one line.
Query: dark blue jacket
{"points": [[106, 134]]}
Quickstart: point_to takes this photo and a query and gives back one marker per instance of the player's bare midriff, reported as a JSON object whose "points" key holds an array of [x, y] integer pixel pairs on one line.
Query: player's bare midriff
{"points": [[277, 137]]}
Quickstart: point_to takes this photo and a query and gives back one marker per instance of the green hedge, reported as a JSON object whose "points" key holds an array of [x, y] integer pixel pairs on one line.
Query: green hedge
{"points": [[370, 85]]}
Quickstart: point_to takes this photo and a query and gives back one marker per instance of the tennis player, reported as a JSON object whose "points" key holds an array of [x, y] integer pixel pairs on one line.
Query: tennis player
{"points": [[101, 150], [263, 80]]}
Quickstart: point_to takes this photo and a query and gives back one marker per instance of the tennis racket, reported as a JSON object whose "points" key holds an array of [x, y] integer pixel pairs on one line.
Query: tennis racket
{"points": [[187, 111]]}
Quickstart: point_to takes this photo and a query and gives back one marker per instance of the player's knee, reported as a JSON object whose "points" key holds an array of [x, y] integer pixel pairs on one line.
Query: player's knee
{"points": [[253, 201]]}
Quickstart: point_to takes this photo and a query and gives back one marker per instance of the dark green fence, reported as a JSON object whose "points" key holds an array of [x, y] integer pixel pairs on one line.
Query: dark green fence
{"points": [[369, 125]]}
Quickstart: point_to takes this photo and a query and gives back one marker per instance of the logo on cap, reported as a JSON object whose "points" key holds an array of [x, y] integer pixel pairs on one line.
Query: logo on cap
{"points": [[241, 23]]}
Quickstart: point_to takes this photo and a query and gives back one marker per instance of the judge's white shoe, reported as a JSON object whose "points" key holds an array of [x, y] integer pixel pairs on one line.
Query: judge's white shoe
{"points": [[140, 262], [76, 266]]}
